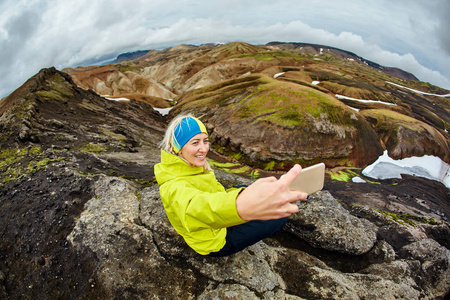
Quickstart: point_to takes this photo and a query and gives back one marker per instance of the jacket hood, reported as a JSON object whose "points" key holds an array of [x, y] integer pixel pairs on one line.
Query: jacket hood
{"points": [[172, 166]]}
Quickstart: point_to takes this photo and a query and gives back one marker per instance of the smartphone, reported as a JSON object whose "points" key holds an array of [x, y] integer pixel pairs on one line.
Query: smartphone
{"points": [[310, 179]]}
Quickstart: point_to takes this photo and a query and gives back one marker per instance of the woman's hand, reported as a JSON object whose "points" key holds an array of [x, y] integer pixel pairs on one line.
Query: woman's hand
{"points": [[269, 198]]}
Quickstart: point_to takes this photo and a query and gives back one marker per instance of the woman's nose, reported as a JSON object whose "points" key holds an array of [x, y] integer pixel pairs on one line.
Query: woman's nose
{"points": [[203, 148]]}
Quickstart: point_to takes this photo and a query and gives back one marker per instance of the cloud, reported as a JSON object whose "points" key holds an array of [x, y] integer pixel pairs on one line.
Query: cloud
{"points": [[35, 34]]}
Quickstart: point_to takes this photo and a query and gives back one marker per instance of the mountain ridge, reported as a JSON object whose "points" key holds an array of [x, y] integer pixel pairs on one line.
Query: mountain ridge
{"points": [[390, 70], [179, 72]]}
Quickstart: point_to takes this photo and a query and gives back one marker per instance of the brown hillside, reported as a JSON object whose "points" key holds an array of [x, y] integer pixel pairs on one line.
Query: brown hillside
{"points": [[198, 75]]}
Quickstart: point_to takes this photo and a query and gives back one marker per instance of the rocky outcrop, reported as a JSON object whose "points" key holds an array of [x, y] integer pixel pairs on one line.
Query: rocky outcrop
{"points": [[139, 255], [325, 224], [51, 110], [404, 136], [105, 237]]}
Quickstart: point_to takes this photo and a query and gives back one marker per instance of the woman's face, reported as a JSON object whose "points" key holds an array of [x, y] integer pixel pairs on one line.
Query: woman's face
{"points": [[195, 150]]}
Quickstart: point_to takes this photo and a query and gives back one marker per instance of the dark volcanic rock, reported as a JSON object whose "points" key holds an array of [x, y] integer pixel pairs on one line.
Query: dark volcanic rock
{"points": [[51, 110]]}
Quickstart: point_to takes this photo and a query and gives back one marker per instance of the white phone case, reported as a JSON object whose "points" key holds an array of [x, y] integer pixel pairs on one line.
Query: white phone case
{"points": [[310, 179]]}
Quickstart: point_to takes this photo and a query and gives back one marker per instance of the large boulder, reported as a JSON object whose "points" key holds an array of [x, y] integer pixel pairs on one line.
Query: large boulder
{"points": [[324, 223]]}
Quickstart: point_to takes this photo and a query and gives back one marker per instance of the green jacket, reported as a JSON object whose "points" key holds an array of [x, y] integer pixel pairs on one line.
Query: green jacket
{"points": [[197, 205]]}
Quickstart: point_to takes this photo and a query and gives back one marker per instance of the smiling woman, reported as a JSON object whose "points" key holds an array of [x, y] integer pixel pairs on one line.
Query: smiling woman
{"points": [[214, 221]]}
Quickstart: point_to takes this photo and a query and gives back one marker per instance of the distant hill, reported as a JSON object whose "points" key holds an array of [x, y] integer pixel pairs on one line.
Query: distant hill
{"points": [[349, 55], [130, 55]]}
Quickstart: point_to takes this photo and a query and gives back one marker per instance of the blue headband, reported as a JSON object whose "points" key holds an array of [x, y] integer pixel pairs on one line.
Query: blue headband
{"points": [[184, 131]]}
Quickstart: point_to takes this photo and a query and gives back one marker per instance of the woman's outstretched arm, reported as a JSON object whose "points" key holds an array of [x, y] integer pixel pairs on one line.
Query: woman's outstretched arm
{"points": [[270, 198]]}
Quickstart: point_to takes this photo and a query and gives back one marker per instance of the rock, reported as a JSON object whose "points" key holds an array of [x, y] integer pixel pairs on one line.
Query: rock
{"points": [[228, 291], [123, 234], [126, 250], [324, 223], [311, 279], [240, 268], [440, 233], [399, 235], [434, 275], [405, 136], [381, 252]]}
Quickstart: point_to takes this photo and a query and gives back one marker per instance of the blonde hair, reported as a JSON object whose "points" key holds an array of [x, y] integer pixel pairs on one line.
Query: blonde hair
{"points": [[166, 143]]}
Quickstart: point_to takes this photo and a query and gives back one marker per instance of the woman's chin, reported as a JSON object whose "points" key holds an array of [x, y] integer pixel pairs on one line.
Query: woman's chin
{"points": [[199, 164]]}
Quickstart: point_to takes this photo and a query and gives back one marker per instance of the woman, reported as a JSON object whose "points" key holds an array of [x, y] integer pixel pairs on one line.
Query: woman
{"points": [[214, 221]]}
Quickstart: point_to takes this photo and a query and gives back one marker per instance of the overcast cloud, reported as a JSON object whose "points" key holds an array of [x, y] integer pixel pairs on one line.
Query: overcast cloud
{"points": [[34, 34]]}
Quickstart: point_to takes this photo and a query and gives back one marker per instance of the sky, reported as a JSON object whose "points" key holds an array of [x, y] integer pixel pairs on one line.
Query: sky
{"points": [[35, 34]]}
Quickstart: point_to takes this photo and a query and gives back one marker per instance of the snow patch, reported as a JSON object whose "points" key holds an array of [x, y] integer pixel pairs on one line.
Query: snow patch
{"points": [[418, 92], [355, 109], [315, 82], [427, 166], [163, 111], [358, 179], [278, 75], [340, 97], [117, 99]]}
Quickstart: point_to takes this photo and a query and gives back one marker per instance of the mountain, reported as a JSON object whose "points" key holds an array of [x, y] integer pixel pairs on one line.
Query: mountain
{"points": [[130, 55], [80, 211], [310, 112], [343, 54]]}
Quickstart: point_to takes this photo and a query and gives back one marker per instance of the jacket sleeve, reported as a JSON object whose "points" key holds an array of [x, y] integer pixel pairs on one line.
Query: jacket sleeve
{"points": [[196, 209]]}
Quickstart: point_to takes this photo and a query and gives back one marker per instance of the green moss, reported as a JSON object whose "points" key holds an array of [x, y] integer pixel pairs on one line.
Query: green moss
{"points": [[141, 181], [287, 69], [238, 156], [408, 219], [291, 117], [18, 163], [222, 165], [342, 175], [127, 68], [271, 55], [57, 88], [243, 112], [235, 168], [8, 157], [42, 164], [270, 166], [346, 176], [398, 218], [116, 136], [95, 148]]}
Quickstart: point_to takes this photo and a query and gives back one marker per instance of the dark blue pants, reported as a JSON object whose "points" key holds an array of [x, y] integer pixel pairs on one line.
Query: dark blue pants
{"points": [[247, 234]]}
